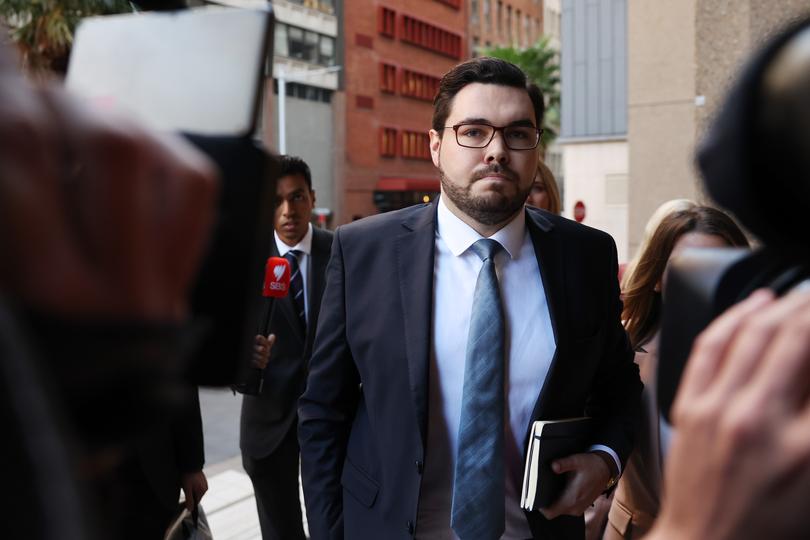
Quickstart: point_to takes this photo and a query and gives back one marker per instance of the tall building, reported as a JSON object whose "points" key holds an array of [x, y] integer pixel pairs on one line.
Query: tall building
{"points": [[640, 82], [516, 23], [682, 58], [394, 53], [305, 53], [593, 134]]}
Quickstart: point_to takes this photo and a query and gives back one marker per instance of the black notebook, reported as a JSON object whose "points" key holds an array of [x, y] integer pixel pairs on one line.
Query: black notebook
{"points": [[550, 440]]}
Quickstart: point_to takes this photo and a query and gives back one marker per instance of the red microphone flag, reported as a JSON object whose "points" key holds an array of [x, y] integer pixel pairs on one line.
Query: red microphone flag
{"points": [[276, 277]]}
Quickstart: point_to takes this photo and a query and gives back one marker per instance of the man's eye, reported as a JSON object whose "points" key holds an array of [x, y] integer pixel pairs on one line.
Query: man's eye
{"points": [[471, 132], [517, 134]]}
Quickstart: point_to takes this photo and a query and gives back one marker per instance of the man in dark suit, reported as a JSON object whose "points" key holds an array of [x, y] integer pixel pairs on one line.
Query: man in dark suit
{"points": [[268, 434], [448, 328]]}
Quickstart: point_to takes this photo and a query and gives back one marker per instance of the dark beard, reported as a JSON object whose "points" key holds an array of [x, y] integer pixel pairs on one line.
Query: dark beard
{"points": [[487, 211]]}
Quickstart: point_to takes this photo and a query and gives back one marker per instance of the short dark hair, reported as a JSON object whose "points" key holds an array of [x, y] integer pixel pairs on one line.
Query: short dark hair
{"points": [[295, 165], [484, 70]]}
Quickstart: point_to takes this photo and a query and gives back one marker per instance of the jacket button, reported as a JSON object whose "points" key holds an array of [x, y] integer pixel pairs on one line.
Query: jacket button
{"points": [[419, 466], [409, 526]]}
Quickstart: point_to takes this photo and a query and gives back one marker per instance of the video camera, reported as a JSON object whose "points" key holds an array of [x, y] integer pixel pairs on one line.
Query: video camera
{"points": [[756, 164], [199, 72]]}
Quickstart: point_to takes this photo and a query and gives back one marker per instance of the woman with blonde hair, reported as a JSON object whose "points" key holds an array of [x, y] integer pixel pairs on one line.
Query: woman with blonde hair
{"points": [[637, 497], [544, 194]]}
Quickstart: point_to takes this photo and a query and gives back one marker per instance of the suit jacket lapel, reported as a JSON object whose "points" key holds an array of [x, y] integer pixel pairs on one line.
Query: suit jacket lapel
{"points": [[316, 278], [415, 254], [549, 252]]}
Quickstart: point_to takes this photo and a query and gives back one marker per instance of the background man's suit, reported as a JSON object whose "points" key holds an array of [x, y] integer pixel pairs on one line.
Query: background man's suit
{"points": [[363, 446], [268, 435]]}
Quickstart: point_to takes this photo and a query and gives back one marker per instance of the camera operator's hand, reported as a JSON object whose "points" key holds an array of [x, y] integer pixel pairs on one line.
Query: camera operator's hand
{"points": [[97, 216], [739, 465]]}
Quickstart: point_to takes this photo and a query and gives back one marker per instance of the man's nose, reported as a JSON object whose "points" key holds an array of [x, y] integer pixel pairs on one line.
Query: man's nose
{"points": [[497, 150]]}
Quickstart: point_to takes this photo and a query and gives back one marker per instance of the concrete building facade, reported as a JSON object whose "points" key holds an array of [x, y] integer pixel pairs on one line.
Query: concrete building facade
{"points": [[305, 51], [682, 58], [679, 60]]}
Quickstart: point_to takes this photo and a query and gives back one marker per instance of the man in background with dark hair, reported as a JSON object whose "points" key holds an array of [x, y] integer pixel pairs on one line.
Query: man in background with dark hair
{"points": [[448, 328], [268, 434]]}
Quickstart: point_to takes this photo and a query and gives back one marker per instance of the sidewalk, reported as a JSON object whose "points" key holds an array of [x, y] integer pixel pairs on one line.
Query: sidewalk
{"points": [[229, 503]]}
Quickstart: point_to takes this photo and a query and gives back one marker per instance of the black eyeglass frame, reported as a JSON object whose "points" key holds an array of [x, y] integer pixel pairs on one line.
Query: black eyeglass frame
{"points": [[495, 129]]}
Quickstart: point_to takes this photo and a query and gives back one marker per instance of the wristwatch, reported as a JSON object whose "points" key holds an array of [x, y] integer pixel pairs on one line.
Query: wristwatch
{"points": [[611, 465]]}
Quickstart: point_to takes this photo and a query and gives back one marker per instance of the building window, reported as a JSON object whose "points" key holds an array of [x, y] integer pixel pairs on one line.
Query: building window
{"points": [[430, 37], [509, 24], [304, 91], [488, 15], [294, 42], [386, 22], [388, 142], [499, 19], [326, 51], [476, 46], [280, 46], [419, 85], [474, 12], [518, 29], [415, 145], [388, 78], [527, 40]]}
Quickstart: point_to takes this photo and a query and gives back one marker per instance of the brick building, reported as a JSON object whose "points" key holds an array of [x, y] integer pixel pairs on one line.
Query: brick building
{"points": [[516, 23], [394, 53]]}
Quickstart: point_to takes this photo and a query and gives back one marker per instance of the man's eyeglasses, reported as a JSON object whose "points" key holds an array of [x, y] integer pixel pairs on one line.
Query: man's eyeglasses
{"points": [[480, 135]]}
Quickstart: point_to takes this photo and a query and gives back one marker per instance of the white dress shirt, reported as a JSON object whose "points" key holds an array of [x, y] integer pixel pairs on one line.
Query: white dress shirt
{"points": [[305, 247], [529, 349]]}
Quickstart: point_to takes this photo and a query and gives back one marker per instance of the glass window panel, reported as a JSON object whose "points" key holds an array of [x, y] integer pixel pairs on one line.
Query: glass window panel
{"points": [[296, 42], [327, 51], [280, 46]]}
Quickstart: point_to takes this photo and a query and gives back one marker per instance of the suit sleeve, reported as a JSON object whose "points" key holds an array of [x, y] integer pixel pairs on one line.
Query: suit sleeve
{"points": [[328, 406], [616, 398], [187, 432]]}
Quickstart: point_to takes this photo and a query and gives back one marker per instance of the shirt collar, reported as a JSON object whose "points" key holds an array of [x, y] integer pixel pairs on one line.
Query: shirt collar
{"points": [[304, 246], [459, 236]]}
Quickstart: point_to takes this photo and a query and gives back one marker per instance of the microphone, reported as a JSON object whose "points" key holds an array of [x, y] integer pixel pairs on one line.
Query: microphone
{"points": [[276, 285]]}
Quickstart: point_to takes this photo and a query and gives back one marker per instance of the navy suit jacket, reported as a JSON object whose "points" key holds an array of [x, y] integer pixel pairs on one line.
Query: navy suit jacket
{"points": [[267, 418], [363, 416]]}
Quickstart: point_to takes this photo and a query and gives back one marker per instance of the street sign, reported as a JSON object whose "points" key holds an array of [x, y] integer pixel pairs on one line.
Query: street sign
{"points": [[579, 211]]}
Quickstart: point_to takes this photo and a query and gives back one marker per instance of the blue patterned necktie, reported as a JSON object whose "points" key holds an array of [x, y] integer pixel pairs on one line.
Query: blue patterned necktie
{"points": [[478, 487], [297, 286]]}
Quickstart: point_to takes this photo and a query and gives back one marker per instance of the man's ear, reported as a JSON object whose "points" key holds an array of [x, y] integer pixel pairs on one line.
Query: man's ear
{"points": [[312, 194], [435, 146]]}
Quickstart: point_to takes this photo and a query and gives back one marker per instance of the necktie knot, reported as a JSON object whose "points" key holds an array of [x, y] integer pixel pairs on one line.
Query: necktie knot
{"points": [[486, 248]]}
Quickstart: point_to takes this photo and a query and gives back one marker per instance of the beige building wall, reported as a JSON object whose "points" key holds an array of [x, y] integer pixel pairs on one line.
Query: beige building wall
{"points": [[596, 174], [660, 107], [682, 57]]}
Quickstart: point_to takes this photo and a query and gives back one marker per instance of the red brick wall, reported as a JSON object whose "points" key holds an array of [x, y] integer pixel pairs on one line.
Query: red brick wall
{"points": [[364, 164]]}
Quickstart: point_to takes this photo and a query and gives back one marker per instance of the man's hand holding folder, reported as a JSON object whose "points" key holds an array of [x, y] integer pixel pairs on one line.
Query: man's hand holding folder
{"points": [[588, 474]]}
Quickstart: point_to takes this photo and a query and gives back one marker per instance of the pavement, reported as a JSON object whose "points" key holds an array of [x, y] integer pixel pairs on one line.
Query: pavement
{"points": [[229, 503]]}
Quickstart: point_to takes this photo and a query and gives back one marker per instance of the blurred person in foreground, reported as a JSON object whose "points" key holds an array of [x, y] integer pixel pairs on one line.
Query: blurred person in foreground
{"points": [[268, 434], [637, 497], [102, 229], [544, 193]]}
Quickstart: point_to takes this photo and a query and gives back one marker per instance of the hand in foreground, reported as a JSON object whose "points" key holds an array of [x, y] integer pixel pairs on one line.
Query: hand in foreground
{"points": [[194, 487], [98, 217], [587, 477], [261, 350], [739, 464]]}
